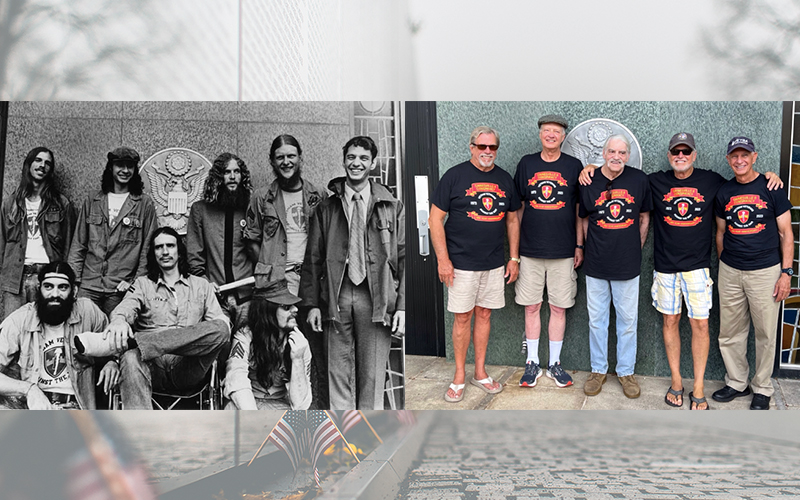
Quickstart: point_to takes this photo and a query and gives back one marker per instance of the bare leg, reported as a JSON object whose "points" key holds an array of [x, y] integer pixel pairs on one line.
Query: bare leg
{"points": [[461, 336], [700, 344], [558, 323], [672, 344], [480, 341], [533, 321]]}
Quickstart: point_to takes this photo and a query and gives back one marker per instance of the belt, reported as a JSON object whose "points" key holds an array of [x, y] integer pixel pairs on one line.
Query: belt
{"points": [[61, 399], [295, 268]]}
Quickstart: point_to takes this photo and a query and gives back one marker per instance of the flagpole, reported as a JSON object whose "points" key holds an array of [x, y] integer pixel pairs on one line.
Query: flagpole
{"points": [[267, 439], [355, 455], [364, 418]]}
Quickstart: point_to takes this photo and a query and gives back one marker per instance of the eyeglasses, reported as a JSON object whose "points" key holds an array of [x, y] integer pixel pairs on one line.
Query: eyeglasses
{"points": [[677, 152], [608, 190], [482, 147]]}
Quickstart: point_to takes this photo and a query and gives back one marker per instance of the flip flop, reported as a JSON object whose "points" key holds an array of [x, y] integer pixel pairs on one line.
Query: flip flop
{"points": [[487, 380], [456, 388], [698, 402], [674, 393]]}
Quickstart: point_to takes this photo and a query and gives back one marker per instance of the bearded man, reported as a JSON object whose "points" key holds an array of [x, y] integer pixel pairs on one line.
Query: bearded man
{"points": [[215, 240], [39, 366], [277, 218]]}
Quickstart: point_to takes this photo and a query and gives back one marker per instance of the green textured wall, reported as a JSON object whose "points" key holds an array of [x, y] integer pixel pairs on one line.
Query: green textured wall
{"points": [[653, 123]]}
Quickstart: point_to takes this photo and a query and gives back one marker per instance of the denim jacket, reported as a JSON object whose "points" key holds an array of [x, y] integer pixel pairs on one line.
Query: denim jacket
{"points": [[326, 254], [55, 224], [102, 256], [266, 226], [21, 337]]}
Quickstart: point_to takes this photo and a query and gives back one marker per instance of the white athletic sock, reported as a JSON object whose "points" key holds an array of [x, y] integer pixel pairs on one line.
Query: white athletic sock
{"points": [[533, 350], [555, 352]]}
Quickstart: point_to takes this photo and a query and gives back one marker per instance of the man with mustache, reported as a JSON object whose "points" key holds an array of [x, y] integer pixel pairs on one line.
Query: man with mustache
{"points": [[615, 211], [354, 271], [37, 340], [482, 204], [109, 247], [277, 218], [168, 330], [215, 235]]}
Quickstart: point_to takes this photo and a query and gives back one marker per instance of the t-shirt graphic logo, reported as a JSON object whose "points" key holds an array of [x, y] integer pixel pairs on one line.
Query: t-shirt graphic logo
{"points": [[54, 361], [682, 198], [547, 191], [490, 196], [743, 216], [614, 201], [545, 184], [614, 210], [742, 206]]}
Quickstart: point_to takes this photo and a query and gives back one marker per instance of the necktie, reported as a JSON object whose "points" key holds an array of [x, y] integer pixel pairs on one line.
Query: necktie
{"points": [[356, 269]]}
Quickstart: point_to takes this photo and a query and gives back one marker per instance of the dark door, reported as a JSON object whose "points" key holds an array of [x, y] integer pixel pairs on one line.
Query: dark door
{"points": [[424, 301]]}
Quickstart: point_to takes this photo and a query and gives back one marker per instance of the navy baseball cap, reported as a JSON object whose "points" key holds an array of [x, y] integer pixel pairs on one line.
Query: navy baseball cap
{"points": [[741, 143]]}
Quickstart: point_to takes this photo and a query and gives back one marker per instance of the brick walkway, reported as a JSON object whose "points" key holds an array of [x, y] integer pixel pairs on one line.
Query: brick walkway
{"points": [[605, 455]]}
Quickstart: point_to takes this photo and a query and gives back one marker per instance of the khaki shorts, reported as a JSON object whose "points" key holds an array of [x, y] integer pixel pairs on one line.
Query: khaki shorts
{"points": [[476, 288], [558, 274]]}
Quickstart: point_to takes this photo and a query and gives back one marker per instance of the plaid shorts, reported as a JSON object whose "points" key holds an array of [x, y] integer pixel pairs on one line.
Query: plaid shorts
{"points": [[695, 287]]}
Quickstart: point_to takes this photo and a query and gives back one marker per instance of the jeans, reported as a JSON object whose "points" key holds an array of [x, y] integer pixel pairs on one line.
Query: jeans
{"points": [[174, 361], [625, 294]]}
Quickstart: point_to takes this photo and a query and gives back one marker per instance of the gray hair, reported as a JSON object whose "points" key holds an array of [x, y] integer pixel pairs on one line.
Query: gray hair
{"points": [[483, 130], [618, 137]]}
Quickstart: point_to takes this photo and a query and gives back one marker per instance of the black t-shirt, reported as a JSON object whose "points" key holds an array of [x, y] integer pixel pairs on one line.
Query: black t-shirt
{"points": [[476, 202], [751, 238], [683, 219], [549, 193], [613, 244]]}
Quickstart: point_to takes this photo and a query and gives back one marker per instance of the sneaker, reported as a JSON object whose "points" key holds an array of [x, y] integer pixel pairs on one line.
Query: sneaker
{"points": [[594, 384], [630, 386], [559, 376], [531, 375]]}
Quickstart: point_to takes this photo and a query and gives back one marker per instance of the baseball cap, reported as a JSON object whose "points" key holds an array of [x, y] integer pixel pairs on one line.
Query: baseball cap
{"points": [[682, 138], [741, 142]]}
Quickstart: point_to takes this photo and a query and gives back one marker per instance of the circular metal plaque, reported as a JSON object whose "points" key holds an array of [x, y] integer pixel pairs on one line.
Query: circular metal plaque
{"points": [[175, 178], [585, 141]]}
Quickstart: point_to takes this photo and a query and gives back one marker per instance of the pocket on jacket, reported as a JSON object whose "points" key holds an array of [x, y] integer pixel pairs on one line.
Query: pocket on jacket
{"points": [[131, 227], [270, 225], [13, 230]]}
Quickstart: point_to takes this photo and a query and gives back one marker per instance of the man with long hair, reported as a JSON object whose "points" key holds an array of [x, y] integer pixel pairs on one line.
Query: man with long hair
{"points": [[169, 328], [36, 224], [277, 218], [354, 269], [114, 226], [269, 367], [37, 339], [214, 239]]}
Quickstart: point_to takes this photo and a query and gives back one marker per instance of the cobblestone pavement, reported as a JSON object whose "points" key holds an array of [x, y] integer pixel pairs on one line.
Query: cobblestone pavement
{"points": [[605, 455]]}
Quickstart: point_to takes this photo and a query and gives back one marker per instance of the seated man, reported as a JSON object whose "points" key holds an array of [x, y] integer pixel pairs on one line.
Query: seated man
{"points": [[38, 338], [179, 327]]}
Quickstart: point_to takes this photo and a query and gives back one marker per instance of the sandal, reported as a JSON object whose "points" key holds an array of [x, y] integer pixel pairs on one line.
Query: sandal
{"points": [[487, 380], [456, 388], [674, 393], [697, 402]]}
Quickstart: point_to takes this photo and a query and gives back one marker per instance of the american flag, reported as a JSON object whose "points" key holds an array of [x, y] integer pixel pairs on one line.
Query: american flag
{"points": [[304, 434], [345, 419], [85, 481], [406, 417]]}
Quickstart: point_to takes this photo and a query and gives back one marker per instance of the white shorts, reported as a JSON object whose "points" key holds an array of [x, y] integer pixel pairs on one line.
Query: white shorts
{"points": [[476, 288], [695, 287]]}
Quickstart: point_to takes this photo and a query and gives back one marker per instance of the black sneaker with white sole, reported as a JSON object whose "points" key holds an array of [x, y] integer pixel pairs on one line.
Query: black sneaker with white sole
{"points": [[531, 375], [559, 376]]}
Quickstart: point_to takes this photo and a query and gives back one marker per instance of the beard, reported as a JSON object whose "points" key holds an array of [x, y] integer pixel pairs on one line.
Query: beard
{"points": [[54, 311], [290, 183], [237, 199]]}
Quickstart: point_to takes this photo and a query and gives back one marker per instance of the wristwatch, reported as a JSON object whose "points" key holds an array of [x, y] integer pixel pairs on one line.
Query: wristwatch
{"points": [[515, 259], [788, 271], [579, 246]]}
